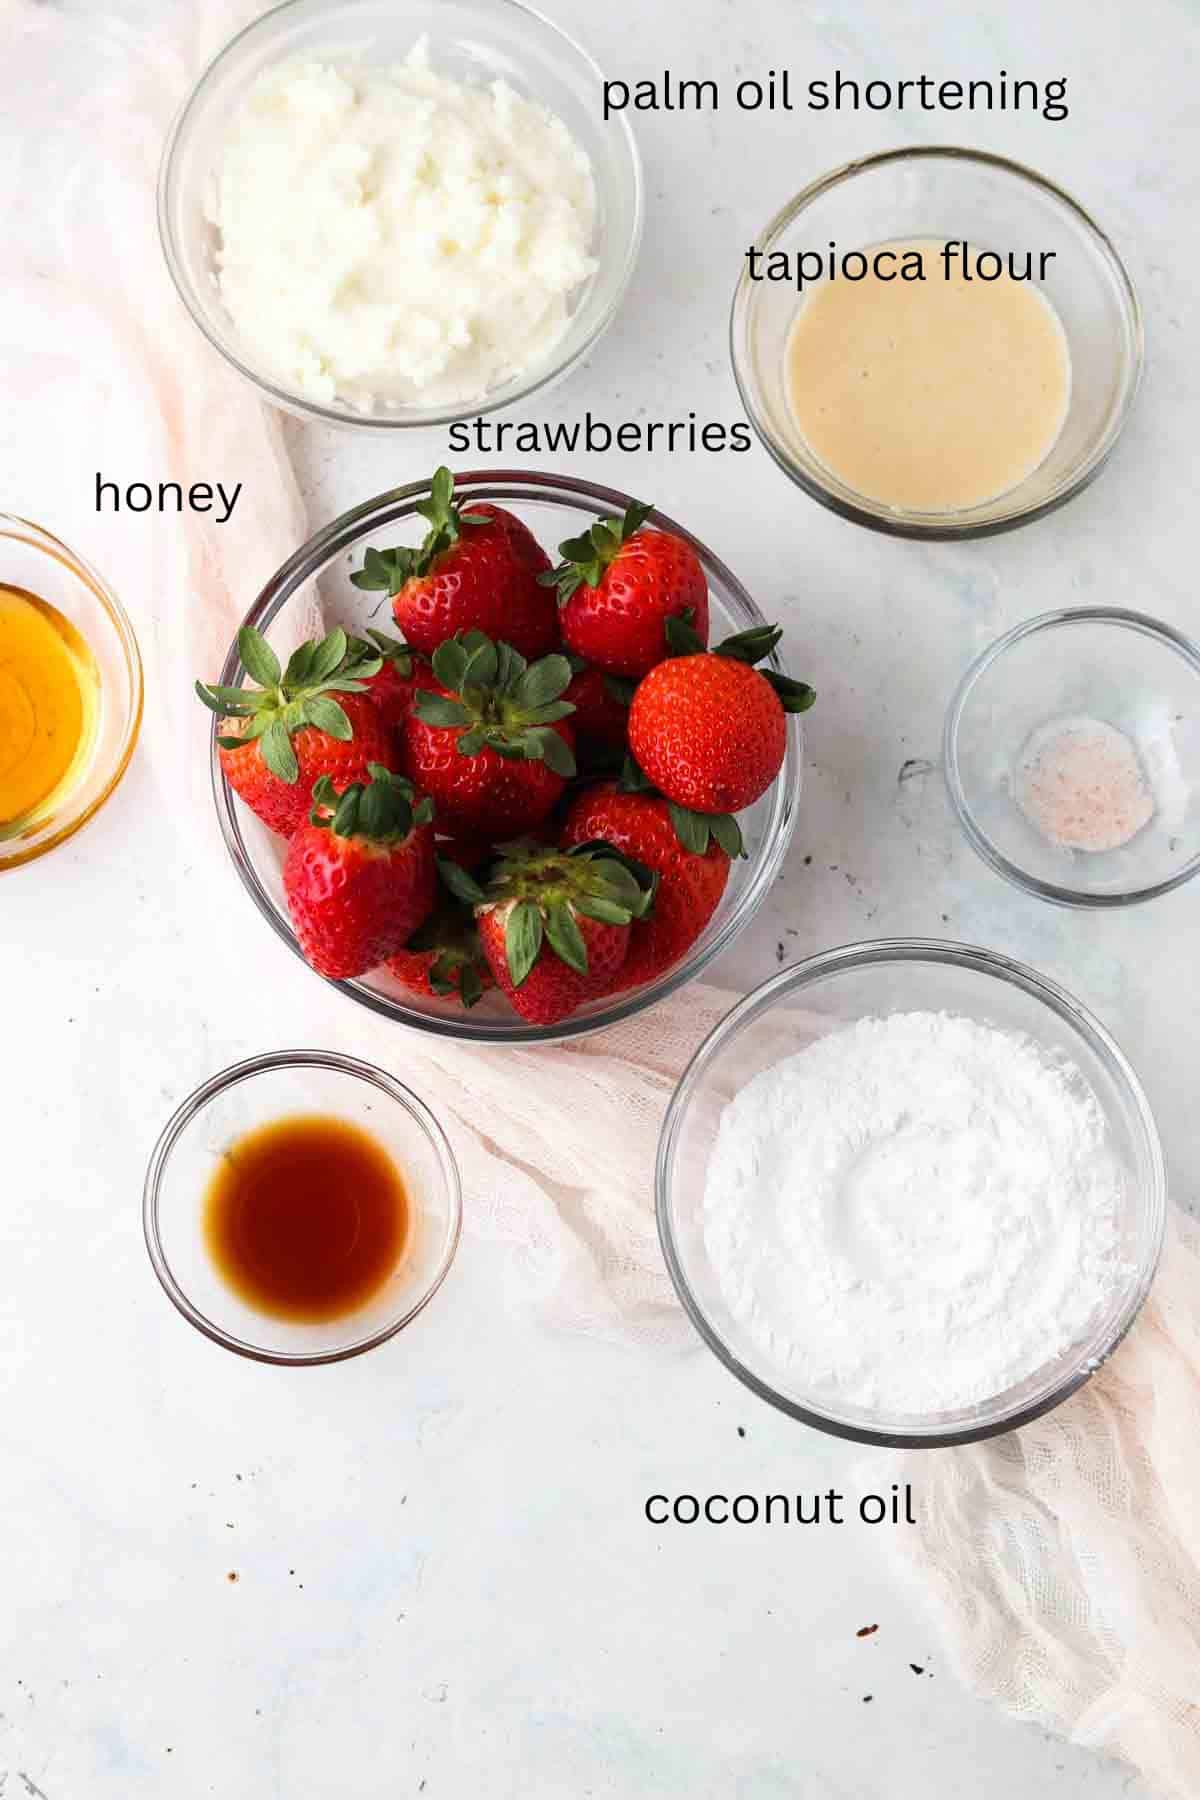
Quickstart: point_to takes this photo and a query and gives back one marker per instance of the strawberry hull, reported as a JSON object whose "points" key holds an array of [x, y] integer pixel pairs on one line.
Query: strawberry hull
{"points": [[551, 991], [283, 806]]}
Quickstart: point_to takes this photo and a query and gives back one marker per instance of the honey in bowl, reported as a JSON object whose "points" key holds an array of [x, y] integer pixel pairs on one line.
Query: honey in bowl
{"points": [[49, 709], [306, 1218]]}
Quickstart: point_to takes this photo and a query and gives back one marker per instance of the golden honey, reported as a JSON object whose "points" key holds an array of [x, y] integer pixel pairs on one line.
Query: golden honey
{"points": [[49, 709]]}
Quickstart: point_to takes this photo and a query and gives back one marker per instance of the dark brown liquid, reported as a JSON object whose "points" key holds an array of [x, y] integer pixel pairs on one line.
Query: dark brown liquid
{"points": [[306, 1218]]}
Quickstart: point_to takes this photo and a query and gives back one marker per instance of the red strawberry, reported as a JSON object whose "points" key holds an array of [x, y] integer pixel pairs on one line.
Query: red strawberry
{"points": [[601, 705], [707, 728], [690, 883], [292, 730], [403, 671], [477, 570], [619, 584], [554, 925], [490, 738], [444, 957], [360, 877]]}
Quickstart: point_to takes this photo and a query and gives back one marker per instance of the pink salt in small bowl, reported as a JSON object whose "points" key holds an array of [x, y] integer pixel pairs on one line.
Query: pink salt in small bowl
{"points": [[1072, 757]]}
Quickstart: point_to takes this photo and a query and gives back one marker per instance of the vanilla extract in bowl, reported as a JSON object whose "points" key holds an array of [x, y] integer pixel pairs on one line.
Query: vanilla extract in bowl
{"points": [[307, 1218]]}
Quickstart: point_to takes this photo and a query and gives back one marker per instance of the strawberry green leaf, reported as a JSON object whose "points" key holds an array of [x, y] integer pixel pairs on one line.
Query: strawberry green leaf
{"points": [[393, 650], [691, 828], [227, 702], [299, 664], [620, 688], [542, 682], [545, 745], [385, 810], [277, 752], [327, 716], [385, 570], [634, 780], [345, 818], [511, 666], [450, 663], [482, 665], [728, 834], [751, 646], [523, 939], [471, 742], [636, 514], [258, 659], [231, 743], [607, 912], [619, 882], [423, 811], [439, 709], [682, 638], [327, 656], [549, 715], [566, 939], [463, 886], [469, 985], [794, 696]]}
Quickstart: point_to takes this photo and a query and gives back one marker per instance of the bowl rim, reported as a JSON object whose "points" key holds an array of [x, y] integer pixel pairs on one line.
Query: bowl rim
{"points": [[502, 485], [900, 522], [795, 979], [543, 375], [247, 1070], [16, 852], [1058, 894]]}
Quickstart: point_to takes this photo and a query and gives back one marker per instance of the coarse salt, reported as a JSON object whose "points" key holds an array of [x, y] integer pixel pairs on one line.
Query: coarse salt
{"points": [[1081, 784]]}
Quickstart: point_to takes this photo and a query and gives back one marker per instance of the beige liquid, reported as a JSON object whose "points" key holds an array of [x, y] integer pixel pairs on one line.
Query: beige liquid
{"points": [[930, 396]]}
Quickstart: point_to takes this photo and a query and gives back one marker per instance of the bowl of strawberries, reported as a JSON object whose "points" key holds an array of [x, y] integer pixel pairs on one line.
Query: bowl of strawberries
{"points": [[506, 756]]}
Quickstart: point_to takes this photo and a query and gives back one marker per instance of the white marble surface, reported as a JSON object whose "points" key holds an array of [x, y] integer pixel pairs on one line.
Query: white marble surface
{"points": [[445, 1583]]}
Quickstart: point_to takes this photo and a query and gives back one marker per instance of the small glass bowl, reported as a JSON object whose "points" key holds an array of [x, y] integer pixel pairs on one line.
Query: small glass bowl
{"points": [[314, 584], [471, 40], [873, 980], [932, 192], [260, 1092], [1120, 668], [38, 564]]}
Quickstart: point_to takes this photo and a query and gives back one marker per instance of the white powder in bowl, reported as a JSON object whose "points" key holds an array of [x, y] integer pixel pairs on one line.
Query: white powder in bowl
{"points": [[1081, 784], [390, 236], [915, 1213]]}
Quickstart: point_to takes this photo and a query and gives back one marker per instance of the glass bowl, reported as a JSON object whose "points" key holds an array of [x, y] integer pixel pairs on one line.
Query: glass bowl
{"points": [[1098, 663], [260, 1092], [315, 583], [476, 40], [823, 995], [36, 563], [932, 192]]}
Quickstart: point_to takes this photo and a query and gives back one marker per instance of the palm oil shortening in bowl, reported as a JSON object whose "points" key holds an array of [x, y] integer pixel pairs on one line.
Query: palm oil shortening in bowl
{"points": [[389, 235]]}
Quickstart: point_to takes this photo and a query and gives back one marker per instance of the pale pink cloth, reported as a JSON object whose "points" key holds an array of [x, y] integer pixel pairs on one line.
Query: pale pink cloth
{"points": [[1062, 1562]]}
